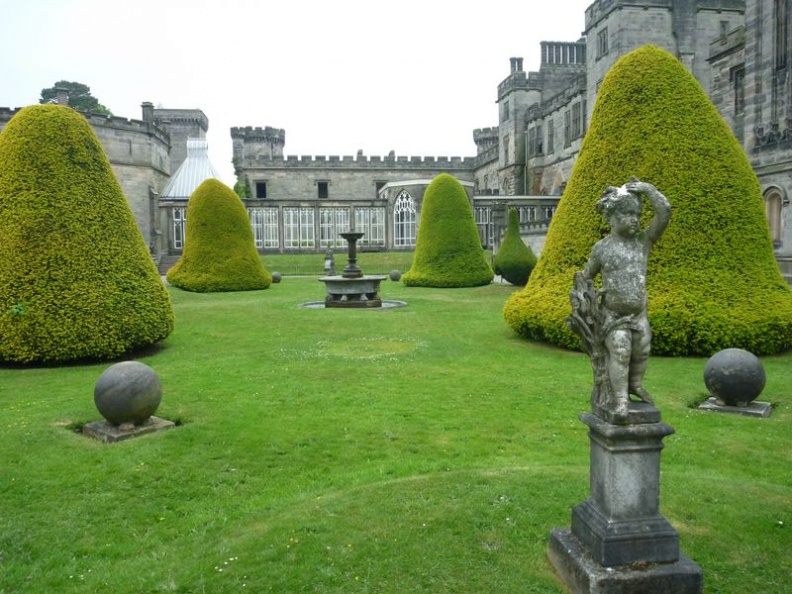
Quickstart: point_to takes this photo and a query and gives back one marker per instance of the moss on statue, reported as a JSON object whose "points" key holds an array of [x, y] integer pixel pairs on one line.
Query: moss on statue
{"points": [[219, 249], [77, 281], [515, 260], [712, 280], [448, 251]]}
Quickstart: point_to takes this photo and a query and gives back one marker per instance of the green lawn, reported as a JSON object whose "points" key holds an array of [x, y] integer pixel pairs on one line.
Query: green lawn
{"points": [[420, 449]]}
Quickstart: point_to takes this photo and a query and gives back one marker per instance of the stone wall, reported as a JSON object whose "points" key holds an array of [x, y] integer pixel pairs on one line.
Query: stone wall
{"points": [[347, 178]]}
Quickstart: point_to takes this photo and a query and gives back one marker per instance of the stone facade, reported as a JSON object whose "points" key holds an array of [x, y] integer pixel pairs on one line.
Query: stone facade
{"points": [[740, 51]]}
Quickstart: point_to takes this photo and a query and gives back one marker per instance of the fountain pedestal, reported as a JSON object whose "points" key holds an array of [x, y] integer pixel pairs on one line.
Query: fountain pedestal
{"points": [[352, 289]]}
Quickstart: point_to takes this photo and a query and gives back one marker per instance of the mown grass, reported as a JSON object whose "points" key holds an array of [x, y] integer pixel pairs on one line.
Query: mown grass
{"points": [[420, 449], [371, 262]]}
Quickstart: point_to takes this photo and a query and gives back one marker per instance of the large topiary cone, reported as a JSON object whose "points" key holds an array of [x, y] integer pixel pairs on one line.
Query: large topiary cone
{"points": [[448, 251], [219, 249], [515, 260], [712, 281], [76, 277]]}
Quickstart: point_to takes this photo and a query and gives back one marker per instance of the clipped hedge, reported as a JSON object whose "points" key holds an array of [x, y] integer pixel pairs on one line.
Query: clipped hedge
{"points": [[77, 281], [219, 249], [515, 260], [713, 282], [448, 251]]}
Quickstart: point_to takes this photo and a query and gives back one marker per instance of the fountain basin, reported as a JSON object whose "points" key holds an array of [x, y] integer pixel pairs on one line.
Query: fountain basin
{"points": [[359, 292]]}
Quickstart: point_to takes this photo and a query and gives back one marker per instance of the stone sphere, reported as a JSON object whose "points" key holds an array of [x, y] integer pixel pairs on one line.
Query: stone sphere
{"points": [[395, 275], [734, 377], [276, 277], [128, 392]]}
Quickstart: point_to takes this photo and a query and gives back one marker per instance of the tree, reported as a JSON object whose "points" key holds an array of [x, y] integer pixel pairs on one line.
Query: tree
{"points": [[712, 279], [515, 260], [79, 97], [77, 281], [219, 249], [448, 251]]}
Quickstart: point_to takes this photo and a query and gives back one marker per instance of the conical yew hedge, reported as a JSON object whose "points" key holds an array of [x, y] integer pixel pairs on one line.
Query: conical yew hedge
{"points": [[448, 251], [713, 282], [219, 249], [515, 260], [77, 281]]}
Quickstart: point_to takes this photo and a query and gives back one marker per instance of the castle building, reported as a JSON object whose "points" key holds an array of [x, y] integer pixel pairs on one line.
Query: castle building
{"points": [[740, 51]]}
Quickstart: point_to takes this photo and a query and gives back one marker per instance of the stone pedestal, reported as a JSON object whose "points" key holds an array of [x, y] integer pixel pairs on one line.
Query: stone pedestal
{"points": [[109, 433], [752, 409], [619, 529]]}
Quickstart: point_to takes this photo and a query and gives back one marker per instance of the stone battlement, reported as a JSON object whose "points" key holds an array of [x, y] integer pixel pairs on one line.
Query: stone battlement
{"points": [[102, 121], [267, 133], [361, 161]]}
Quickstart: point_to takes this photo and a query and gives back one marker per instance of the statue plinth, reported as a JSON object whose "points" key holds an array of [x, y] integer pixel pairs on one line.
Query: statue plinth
{"points": [[619, 542]]}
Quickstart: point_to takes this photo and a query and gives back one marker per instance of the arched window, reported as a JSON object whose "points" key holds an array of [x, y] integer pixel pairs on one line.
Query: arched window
{"points": [[773, 203], [404, 220]]}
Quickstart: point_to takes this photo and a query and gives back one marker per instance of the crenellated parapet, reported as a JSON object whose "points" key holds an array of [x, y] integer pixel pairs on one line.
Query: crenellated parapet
{"points": [[390, 161], [180, 117], [256, 143], [99, 121], [259, 134]]}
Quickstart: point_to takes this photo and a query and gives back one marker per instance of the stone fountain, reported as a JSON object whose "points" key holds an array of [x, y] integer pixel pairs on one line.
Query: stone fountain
{"points": [[352, 289]]}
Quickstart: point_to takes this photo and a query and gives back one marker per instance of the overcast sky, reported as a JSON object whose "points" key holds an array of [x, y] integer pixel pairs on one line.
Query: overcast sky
{"points": [[413, 76]]}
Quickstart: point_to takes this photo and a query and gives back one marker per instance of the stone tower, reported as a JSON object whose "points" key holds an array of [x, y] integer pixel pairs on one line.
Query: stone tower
{"points": [[515, 96], [180, 124]]}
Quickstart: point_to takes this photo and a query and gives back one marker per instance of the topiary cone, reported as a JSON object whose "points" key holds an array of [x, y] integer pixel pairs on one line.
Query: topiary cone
{"points": [[76, 277], [515, 260], [712, 280], [219, 249], [447, 250]]}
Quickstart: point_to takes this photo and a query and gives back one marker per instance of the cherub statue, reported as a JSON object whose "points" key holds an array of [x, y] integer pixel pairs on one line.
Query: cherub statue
{"points": [[612, 321]]}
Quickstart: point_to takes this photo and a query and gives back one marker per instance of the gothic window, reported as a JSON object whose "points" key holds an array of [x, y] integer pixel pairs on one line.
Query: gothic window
{"points": [[298, 228], [291, 228], [724, 28], [179, 224], [550, 137], [567, 128], [602, 42], [483, 216], [322, 190], [506, 150], [535, 140], [270, 228], [333, 222], [505, 113], [264, 222], [781, 33], [371, 222], [404, 220], [261, 189], [577, 121], [307, 239], [773, 203], [738, 80]]}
